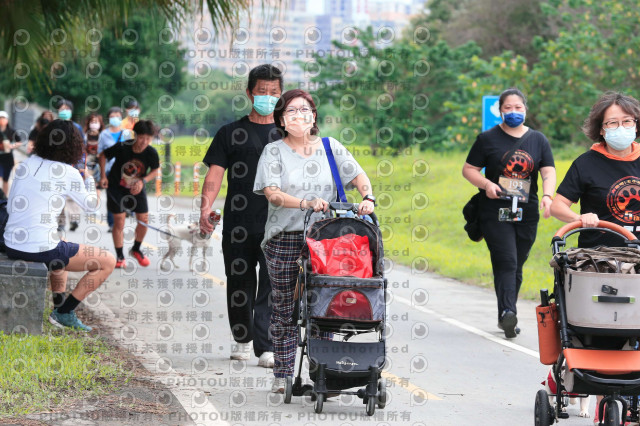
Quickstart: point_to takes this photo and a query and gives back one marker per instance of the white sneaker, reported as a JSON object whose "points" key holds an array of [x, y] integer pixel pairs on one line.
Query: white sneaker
{"points": [[278, 385], [241, 351], [266, 360]]}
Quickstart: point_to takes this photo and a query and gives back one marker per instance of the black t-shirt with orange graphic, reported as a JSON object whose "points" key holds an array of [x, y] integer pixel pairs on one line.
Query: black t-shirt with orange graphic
{"points": [[534, 153], [130, 166], [608, 186]]}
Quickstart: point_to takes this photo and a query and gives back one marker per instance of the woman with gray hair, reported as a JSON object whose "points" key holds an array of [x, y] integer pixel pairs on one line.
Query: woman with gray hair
{"points": [[606, 182], [605, 179]]}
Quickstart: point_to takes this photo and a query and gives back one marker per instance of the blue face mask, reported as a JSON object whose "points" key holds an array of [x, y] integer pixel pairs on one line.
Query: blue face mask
{"points": [[264, 104], [513, 119], [115, 121], [620, 138], [64, 114]]}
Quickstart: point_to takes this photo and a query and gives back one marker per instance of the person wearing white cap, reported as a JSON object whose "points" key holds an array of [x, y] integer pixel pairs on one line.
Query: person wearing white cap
{"points": [[10, 139]]}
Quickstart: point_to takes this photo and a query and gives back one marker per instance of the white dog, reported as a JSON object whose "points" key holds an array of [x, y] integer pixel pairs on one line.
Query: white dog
{"points": [[550, 387], [190, 233]]}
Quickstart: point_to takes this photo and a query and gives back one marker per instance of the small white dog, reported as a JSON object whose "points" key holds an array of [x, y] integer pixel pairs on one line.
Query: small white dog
{"points": [[190, 233], [550, 387]]}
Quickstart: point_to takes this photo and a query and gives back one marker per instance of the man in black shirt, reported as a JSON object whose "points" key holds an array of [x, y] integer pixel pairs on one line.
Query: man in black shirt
{"points": [[136, 164], [237, 147]]}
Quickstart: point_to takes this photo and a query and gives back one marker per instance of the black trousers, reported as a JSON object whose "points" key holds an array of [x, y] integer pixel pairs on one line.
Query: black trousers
{"points": [[248, 291], [509, 244]]}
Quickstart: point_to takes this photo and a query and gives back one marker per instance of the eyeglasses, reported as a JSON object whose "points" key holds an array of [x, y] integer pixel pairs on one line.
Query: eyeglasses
{"points": [[627, 124], [293, 110]]}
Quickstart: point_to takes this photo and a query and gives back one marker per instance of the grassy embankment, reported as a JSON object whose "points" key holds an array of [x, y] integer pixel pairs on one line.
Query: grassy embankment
{"points": [[40, 374]]}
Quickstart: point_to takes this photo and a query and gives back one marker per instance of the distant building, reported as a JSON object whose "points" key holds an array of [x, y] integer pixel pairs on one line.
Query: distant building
{"points": [[289, 35]]}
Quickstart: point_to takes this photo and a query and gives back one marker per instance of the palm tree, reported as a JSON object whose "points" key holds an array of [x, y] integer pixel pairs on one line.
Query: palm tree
{"points": [[33, 32]]}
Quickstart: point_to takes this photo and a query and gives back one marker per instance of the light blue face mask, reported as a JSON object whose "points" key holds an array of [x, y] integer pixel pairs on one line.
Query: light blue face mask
{"points": [[620, 138], [264, 104], [115, 121], [64, 114]]}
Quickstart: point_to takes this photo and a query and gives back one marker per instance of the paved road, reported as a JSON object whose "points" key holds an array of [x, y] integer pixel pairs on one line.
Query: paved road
{"points": [[448, 364]]}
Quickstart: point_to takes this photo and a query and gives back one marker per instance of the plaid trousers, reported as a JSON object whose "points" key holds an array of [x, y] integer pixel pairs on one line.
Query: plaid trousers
{"points": [[281, 253]]}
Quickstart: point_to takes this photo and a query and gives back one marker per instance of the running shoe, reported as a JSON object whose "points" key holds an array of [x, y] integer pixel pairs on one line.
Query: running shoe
{"points": [[67, 320], [141, 258]]}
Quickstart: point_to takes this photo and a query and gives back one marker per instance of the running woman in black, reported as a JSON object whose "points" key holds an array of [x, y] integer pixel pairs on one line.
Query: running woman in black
{"points": [[509, 242]]}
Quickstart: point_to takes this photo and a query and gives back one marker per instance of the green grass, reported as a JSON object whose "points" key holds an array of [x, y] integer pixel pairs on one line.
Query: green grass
{"points": [[413, 235], [188, 151], [40, 373]]}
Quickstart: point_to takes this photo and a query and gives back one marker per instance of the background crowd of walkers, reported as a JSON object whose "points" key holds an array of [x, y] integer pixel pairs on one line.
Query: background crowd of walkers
{"points": [[61, 177]]}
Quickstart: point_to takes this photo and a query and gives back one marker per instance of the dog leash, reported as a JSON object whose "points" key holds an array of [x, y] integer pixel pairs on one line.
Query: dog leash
{"points": [[132, 213]]}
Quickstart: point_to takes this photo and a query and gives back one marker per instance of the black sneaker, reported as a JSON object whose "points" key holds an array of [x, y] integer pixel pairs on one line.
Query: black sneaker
{"points": [[517, 328], [508, 323]]}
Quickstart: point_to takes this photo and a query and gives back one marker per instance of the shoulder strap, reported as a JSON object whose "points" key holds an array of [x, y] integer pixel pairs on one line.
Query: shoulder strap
{"points": [[334, 169], [509, 153]]}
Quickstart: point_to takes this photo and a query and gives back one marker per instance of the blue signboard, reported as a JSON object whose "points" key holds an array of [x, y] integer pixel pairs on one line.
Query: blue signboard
{"points": [[490, 112]]}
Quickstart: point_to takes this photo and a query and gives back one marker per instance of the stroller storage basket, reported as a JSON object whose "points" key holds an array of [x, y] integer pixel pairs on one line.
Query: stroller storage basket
{"points": [[348, 299], [346, 359], [596, 302]]}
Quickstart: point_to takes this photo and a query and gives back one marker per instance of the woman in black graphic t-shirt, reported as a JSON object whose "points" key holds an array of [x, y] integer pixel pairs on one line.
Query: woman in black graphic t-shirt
{"points": [[510, 242], [605, 179]]}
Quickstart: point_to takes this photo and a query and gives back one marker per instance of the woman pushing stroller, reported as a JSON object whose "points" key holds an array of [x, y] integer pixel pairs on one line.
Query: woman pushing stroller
{"points": [[294, 174], [606, 181]]}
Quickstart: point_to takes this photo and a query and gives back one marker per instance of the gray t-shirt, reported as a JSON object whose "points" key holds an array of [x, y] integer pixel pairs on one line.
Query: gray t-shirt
{"points": [[301, 177]]}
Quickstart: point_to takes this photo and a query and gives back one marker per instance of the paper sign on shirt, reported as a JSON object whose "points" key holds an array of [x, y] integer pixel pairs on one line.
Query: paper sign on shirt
{"points": [[513, 187]]}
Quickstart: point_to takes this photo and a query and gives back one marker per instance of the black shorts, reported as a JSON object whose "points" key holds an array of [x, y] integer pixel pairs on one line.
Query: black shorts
{"points": [[56, 258], [6, 164], [120, 200]]}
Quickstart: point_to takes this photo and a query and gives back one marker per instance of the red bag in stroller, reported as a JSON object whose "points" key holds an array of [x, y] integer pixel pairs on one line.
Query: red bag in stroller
{"points": [[347, 255]]}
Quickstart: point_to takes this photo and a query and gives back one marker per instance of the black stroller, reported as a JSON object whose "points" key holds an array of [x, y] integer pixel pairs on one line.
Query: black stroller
{"points": [[344, 306], [595, 305]]}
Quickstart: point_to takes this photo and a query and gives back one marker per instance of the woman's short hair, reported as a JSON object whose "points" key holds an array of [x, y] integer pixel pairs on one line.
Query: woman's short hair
{"points": [[285, 100], [593, 123], [60, 141], [90, 118], [511, 91], [145, 127]]}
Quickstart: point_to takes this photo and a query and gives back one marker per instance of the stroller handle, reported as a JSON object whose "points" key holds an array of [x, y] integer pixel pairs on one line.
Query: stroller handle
{"points": [[603, 224], [353, 207]]}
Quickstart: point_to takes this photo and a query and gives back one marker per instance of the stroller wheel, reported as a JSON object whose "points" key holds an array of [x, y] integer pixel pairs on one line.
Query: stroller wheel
{"points": [[611, 414], [317, 407], [544, 416], [371, 406], [382, 393], [288, 390]]}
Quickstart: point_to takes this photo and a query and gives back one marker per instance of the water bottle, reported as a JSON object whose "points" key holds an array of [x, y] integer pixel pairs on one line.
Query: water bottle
{"points": [[214, 219]]}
